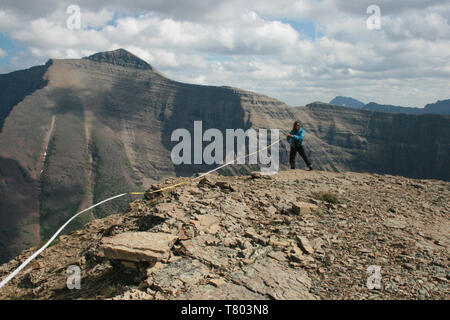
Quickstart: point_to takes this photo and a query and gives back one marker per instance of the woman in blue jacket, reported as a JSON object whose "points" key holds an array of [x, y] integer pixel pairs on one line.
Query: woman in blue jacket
{"points": [[295, 138]]}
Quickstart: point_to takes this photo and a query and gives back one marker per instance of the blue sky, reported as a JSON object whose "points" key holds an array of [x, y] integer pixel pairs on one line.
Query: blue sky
{"points": [[9, 47], [305, 28]]}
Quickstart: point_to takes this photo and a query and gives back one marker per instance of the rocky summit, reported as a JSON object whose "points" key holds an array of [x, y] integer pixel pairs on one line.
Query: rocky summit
{"points": [[294, 235]]}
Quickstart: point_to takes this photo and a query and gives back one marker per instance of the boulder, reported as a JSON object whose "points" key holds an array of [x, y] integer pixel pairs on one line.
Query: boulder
{"points": [[299, 207], [138, 246]]}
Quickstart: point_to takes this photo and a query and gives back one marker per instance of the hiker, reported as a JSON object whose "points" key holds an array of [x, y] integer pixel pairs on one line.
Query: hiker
{"points": [[295, 138]]}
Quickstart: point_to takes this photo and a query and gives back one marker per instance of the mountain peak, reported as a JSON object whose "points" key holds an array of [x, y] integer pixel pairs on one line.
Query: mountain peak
{"points": [[120, 57], [347, 102]]}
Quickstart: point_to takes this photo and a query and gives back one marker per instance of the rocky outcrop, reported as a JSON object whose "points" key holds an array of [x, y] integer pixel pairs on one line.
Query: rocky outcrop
{"points": [[202, 241], [138, 246]]}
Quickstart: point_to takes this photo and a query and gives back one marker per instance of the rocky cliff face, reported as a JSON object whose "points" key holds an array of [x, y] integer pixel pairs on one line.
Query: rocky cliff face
{"points": [[82, 130], [439, 107], [399, 144], [294, 235]]}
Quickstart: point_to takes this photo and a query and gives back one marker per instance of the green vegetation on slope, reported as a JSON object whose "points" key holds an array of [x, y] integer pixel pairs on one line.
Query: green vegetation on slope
{"points": [[112, 174]]}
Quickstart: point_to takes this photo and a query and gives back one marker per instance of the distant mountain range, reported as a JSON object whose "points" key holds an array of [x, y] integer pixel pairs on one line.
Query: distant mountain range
{"points": [[439, 107], [347, 102]]}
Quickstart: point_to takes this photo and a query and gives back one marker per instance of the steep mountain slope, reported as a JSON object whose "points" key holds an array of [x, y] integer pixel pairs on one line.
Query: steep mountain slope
{"points": [[16, 85], [87, 129], [294, 235]]}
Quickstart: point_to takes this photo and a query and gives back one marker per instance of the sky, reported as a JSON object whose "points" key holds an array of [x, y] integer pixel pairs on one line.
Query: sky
{"points": [[296, 51]]}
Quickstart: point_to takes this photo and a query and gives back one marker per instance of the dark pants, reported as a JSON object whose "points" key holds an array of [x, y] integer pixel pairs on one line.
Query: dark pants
{"points": [[301, 151]]}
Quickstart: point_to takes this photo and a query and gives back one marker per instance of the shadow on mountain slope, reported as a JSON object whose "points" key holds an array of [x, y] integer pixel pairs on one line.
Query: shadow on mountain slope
{"points": [[216, 107], [15, 86], [18, 209]]}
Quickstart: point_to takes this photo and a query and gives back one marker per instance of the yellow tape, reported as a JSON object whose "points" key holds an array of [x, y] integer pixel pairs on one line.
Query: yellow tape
{"points": [[165, 188], [184, 182]]}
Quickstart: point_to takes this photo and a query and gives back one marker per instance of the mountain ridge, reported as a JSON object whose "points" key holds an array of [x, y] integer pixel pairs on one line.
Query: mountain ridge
{"points": [[439, 107]]}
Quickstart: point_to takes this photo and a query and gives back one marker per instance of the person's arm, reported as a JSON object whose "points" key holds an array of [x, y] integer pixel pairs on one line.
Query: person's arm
{"points": [[289, 137], [300, 135]]}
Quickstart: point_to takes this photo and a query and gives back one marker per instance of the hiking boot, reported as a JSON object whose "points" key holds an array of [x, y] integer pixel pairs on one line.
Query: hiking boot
{"points": [[310, 168]]}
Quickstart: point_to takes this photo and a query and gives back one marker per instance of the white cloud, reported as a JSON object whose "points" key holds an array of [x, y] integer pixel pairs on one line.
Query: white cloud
{"points": [[8, 21], [2, 53], [247, 44]]}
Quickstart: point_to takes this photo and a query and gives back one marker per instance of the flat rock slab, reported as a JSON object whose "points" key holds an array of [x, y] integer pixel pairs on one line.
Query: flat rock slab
{"points": [[138, 246], [270, 279], [396, 223]]}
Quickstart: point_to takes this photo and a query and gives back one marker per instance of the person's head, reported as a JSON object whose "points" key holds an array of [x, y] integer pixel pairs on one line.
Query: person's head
{"points": [[296, 125]]}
